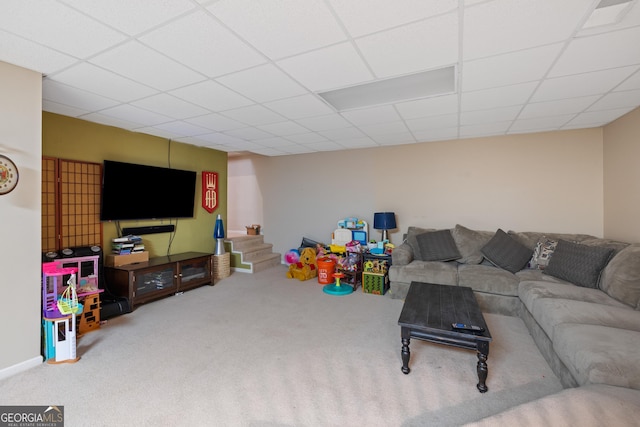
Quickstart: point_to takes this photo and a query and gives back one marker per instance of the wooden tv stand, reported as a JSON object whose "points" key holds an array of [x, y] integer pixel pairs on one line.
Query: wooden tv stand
{"points": [[160, 276]]}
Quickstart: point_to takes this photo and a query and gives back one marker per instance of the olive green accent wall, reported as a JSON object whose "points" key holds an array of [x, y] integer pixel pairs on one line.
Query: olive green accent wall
{"points": [[75, 139]]}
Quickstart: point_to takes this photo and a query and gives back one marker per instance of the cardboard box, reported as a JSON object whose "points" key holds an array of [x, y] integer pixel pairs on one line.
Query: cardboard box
{"points": [[254, 230], [118, 260], [373, 283]]}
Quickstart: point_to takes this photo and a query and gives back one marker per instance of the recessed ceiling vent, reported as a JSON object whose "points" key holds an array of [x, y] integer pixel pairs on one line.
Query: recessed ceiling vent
{"points": [[420, 85], [608, 12]]}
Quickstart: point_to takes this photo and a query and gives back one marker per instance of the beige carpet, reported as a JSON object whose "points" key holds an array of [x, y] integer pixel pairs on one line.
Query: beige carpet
{"points": [[263, 350]]}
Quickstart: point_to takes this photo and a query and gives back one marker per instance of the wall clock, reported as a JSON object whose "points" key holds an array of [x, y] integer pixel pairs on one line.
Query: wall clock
{"points": [[8, 175]]}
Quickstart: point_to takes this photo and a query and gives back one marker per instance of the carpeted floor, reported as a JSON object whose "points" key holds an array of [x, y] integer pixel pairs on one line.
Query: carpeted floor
{"points": [[263, 350]]}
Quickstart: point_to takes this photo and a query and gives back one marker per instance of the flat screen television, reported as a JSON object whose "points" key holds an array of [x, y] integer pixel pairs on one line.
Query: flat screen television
{"points": [[131, 191]]}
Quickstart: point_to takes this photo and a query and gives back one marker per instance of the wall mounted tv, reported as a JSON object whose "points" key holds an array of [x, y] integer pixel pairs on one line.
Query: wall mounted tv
{"points": [[131, 191]]}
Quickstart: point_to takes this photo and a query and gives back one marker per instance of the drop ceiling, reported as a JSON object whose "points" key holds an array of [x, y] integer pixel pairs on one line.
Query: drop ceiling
{"points": [[246, 75]]}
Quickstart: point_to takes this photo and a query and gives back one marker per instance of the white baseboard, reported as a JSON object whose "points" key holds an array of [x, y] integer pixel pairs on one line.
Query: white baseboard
{"points": [[20, 367]]}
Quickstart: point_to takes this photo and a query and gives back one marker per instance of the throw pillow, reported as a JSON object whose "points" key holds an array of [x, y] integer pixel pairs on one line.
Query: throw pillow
{"points": [[469, 243], [437, 246], [411, 240], [542, 253], [578, 264], [505, 252]]}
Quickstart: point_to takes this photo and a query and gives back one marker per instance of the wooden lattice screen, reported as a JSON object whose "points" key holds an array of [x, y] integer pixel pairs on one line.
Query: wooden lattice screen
{"points": [[76, 210]]}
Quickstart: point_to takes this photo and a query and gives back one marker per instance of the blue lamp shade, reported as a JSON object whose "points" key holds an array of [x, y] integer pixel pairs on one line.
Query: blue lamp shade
{"points": [[384, 220], [218, 231]]}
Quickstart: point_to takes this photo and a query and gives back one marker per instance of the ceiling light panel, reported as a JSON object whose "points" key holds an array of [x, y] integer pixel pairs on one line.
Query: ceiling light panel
{"points": [[203, 44], [420, 85], [70, 32], [140, 63], [263, 83], [427, 44], [132, 17], [328, 68], [280, 28]]}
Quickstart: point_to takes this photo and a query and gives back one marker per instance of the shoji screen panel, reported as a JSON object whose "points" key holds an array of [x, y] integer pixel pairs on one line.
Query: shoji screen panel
{"points": [[49, 197]]}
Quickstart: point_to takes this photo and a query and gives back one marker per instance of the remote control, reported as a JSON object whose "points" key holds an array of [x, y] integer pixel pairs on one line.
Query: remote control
{"points": [[467, 328]]}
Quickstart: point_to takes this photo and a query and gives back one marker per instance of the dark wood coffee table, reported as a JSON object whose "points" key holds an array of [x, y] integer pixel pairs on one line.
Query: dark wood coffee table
{"points": [[427, 314]]}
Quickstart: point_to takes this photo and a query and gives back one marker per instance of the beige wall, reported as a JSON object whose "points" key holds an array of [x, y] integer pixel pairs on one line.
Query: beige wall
{"points": [[20, 140], [622, 178], [244, 205], [545, 182]]}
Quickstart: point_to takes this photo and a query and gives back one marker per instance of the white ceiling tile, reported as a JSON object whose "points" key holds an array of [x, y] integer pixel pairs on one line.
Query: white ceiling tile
{"points": [[511, 68], [222, 139], [428, 107], [254, 115], [489, 116], [280, 28], [362, 17], [597, 82], [149, 130], [610, 50], [211, 95], [65, 110], [296, 149], [616, 100], [249, 133], [144, 65], [132, 17], [540, 123], [597, 118], [557, 107], [102, 82], [632, 82], [385, 128], [497, 97], [326, 146], [502, 26], [136, 115], [171, 106], [27, 54], [202, 43], [263, 83], [110, 121], [306, 138], [357, 142], [320, 123], [394, 139], [328, 68], [416, 47], [215, 121], [183, 128], [273, 142], [342, 133], [369, 116], [485, 129], [284, 128], [300, 106], [432, 122], [436, 134], [68, 32], [72, 97]]}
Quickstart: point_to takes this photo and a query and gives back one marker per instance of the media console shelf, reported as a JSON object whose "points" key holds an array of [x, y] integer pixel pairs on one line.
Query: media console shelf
{"points": [[160, 276]]}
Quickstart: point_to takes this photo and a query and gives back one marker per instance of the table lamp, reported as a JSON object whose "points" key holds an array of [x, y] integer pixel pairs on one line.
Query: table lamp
{"points": [[218, 234], [384, 221]]}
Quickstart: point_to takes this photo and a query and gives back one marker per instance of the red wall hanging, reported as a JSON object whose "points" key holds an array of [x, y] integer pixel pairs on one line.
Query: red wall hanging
{"points": [[209, 191]]}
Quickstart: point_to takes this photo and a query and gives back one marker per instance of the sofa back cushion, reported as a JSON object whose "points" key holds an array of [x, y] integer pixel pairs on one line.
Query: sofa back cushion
{"points": [[621, 277], [470, 243], [412, 233]]}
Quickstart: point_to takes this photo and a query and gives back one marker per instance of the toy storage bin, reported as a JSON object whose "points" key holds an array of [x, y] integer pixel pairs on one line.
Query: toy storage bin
{"points": [[373, 283]]}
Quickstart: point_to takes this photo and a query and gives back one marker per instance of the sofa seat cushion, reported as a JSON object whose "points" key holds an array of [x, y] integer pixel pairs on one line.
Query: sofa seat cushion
{"points": [[531, 291], [489, 279], [439, 272], [551, 312], [534, 274], [599, 354]]}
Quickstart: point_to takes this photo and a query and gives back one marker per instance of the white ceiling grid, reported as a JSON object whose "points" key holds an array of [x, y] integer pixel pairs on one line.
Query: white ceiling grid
{"points": [[244, 75]]}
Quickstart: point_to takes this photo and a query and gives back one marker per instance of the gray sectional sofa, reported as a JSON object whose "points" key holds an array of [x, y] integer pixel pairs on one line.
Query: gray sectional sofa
{"points": [[578, 295]]}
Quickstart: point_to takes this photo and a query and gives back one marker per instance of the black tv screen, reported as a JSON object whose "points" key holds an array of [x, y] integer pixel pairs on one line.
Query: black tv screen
{"points": [[131, 191]]}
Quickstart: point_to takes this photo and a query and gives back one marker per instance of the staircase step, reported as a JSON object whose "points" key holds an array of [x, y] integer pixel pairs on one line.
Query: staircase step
{"points": [[265, 262], [241, 243], [256, 252]]}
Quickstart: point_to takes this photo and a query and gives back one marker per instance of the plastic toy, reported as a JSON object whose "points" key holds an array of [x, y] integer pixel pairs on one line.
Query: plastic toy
{"points": [[292, 256], [306, 268], [337, 288]]}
